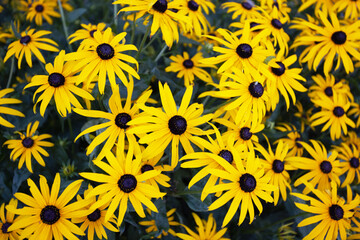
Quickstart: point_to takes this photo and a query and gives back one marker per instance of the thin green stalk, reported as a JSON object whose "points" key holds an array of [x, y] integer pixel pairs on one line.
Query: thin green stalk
{"points": [[161, 53], [64, 24], [11, 71], [115, 14], [71, 134], [151, 40], [143, 40]]}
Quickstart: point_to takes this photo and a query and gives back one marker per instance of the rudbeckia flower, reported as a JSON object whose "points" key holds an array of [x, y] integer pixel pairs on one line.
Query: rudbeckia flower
{"points": [[320, 5], [30, 42], [174, 125], [86, 32], [245, 184], [280, 5], [93, 220], [6, 220], [332, 213], [292, 140], [350, 164], [42, 9], [355, 110], [7, 110], [206, 229], [246, 10], [60, 85], [122, 183], [46, 215], [188, 68], [103, 55], [351, 7], [29, 145]]}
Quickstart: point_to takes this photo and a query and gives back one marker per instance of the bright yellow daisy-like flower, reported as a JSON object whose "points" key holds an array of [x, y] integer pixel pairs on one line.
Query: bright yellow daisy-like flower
{"points": [[103, 55], [286, 80], [333, 39], [163, 16], [60, 85], [93, 220], [30, 42], [47, 215], [355, 110], [205, 230], [246, 10], [323, 167], [333, 114], [332, 213], [352, 138], [320, 5], [152, 228], [350, 164], [351, 7], [7, 110], [174, 125], [293, 139], [188, 68], [117, 129], [42, 9], [280, 5], [86, 32], [6, 220], [29, 145], [276, 166], [245, 184], [122, 184]]}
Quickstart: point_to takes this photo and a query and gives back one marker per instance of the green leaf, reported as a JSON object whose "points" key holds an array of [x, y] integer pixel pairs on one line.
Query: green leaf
{"points": [[161, 220], [20, 175], [194, 202], [74, 15]]}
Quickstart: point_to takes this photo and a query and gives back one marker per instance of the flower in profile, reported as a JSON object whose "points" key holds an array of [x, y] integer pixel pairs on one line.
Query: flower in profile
{"points": [[206, 229], [323, 167], [60, 85], [7, 110], [152, 228], [286, 232], [245, 184], [188, 68], [163, 16], [351, 7], [174, 125], [333, 114], [47, 215], [86, 32], [277, 165], [292, 140], [246, 10], [30, 42], [93, 220], [121, 184], [332, 39], [350, 164], [42, 9], [103, 55], [6, 220], [320, 5], [281, 7], [355, 110], [332, 213], [116, 128], [29, 145]]}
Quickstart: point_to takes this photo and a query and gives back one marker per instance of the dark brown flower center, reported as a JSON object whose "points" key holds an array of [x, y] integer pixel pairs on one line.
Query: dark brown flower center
{"points": [[256, 89], [276, 23], [354, 162], [160, 6], [188, 64], [50, 214], [94, 216], [177, 125], [338, 111], [247, 182], [27, 142], [336, 212], [39, 8], [146, 168], [227, 155], [338, 37], [25, 40], [245, 133], [297, 140], [328, 91], [127, 183], [92, 32], [193, 6], [5, 226], [279, 71], [244, 50], [122, 119], [278, 166], [246, 5], [56, 79], [105, 51], [325, 166]]}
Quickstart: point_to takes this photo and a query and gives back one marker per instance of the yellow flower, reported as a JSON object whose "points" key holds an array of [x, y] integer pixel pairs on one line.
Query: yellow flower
{"points": [[293, 139], [7, 220], [350, 164], [86, 32], [40, 9], [7, 110], [246, 10]]}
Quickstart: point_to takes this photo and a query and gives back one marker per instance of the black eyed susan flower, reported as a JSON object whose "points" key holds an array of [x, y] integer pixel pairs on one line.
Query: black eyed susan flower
{"points": [[350, 164], [121, 184], [206, 229], [42, 9], [320, 5], [245, 184], [276, 166], [93, 220], [30, 42], [29, 145], [355, 110], [333, 114], [47, 215], [102, 55], [286, 80], [117, 128], [333, 39], [293, 139], [323, 167], [245, 9], [351, 7], [188, 68], [352, 138], [332, 213], [7, 110], [152, 228], [281, 7], [163, 16], [174, 125], [6, 220], [86, 32], [60, 85]]}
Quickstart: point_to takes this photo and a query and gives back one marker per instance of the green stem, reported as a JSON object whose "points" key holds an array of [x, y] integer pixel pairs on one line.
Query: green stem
{"points": [[64, 24], [207, 98], [71, 135], [143, 40], [161, 53], [151, 40], [115, 14], [11, 71]]}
